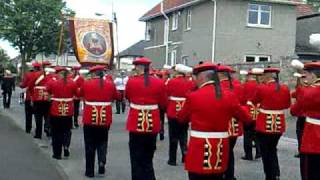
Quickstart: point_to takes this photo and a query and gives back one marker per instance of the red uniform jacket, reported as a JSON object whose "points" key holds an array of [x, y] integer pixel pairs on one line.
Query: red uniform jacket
{"points": [[25, 83], [249, 89], [235, 126], [97, 102], [177, 89], [271, 119], [78, 79], [308, 105], [38, 85], [207, 114], [145, 102], [62, 94]]}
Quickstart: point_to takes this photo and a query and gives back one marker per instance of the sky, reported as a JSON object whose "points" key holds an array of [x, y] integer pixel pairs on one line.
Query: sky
{"points": [[128, 13]]}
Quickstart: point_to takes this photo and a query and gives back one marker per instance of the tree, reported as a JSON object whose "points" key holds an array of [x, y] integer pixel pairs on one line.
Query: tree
{"points": [[4, 60], [32, 26], [314, 3]]}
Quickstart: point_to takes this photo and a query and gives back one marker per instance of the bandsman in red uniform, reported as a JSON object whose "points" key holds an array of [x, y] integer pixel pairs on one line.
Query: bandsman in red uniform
{"points": [[273, 98], [78, 79], [301, 84], [98, 95], [235, 126], [61, 90], [27, 102], [146, 95], [208, 151], [249, 88], [307, 105], [177, 90], [40, 98]]}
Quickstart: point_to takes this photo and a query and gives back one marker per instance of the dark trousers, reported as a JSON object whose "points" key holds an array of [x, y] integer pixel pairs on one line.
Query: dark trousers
{"points": [[178, 133], [95, 139], [28, 113], [7, 99], [309, 165], [142, 148], [299, 129], [248, 138], [162, 119], [61, 134], [121, 103], [41, 110], [268, 144], [76, 112], [229, 174], [194, 176]]}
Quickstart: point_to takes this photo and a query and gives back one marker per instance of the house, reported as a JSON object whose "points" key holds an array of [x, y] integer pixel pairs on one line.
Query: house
{"points": [[228, 31], [131, 53], [307, 25]]}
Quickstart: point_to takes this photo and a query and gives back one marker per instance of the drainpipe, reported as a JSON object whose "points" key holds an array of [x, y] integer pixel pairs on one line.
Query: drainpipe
{"points": [[166, 32], [214, 30]]}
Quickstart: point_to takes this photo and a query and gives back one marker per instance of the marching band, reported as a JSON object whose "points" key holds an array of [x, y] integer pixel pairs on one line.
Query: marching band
{"points": [[205, 101]]}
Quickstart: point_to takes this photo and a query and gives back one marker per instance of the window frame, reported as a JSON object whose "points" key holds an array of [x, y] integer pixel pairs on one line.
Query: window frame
{"points": [[148, 31], [175, 21], [173, 61], [260, 11], [257, 58], [189, 19]]}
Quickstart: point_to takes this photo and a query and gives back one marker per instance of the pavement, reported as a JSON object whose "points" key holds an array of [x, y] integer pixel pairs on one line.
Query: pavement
{"points": [[118, 162]]}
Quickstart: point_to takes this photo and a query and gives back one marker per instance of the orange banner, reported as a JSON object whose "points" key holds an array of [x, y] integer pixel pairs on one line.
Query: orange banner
{"points": [[92, 41]]}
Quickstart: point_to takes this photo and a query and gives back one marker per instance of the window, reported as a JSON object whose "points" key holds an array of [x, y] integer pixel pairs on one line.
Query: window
{"points": [[148, 31], [188, 20], [259, 15], [175, 21], [173, 57], [257, 58]]}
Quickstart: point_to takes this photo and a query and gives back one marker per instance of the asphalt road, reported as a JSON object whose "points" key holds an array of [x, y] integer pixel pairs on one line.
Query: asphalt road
{"points": [[118, 164], [20, 158]]}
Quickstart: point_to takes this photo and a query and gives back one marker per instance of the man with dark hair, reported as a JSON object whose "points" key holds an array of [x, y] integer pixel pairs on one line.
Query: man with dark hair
{"points": [[146, 95], [307, 105], [208, 151], [270, 124], [7, 87]]}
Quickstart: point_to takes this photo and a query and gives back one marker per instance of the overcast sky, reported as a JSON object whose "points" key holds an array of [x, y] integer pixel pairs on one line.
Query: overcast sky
{"points": [[128, 12]]}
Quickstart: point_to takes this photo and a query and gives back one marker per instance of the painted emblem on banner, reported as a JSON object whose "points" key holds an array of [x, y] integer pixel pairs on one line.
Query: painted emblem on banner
{"points": [[92, 41]]}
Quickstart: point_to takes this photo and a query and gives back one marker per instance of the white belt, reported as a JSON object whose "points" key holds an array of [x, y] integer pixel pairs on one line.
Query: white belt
{"points": [[177, 98], [271, 111], [214, 135], [313, 121], [98, 103], [250, 103], [40, 87], [62, 99], [144, 107]]}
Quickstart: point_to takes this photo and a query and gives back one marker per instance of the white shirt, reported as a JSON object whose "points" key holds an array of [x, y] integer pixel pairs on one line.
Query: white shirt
{"points": [[121, 83]]}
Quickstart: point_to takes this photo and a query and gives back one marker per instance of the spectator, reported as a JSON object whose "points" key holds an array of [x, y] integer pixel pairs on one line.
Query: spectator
{"points": [[7, 87]]}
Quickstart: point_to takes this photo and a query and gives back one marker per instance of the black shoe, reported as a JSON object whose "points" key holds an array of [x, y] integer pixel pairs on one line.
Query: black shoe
{"points": [[172, 163], [247, 158], [297, 155], [56, 157], [37, 137], [161, 137], [102, 170], [89, 175], [76, 125], [66, 152], [258, 156], [28, 131]]}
